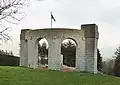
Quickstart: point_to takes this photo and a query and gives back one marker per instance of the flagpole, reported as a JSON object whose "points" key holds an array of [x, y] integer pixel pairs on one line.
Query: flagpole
{"points": [[51, 18]]}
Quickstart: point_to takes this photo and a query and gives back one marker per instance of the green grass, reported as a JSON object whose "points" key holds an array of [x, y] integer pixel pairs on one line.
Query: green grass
{"points": [[25, 76]]}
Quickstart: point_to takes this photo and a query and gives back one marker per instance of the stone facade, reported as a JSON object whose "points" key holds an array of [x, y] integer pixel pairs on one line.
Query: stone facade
{"points": [[86, 48]]}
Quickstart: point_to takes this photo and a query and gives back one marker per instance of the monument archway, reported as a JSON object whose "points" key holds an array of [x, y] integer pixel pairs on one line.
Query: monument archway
{"points": [[86, 40]]}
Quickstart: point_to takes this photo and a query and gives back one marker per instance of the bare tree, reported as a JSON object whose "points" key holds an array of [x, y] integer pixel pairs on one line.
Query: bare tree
{"points": [[11, 12]]}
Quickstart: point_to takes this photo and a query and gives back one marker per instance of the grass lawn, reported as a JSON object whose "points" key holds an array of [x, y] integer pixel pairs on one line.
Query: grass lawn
{"points": [[25, 76]]}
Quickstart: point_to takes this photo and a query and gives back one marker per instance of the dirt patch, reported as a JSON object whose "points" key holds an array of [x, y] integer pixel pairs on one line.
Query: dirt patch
{"points": [[43, 68], [63, 69], [67, 69]]}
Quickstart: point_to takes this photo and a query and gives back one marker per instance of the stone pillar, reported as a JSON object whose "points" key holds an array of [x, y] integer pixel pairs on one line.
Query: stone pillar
{"points": [[24, 53], [91, 40], [54, 54], [23, 50], [80, 56], [21, 53], [32, 56]]}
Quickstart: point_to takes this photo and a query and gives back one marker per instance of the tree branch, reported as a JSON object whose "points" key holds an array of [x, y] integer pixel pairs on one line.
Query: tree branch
{"points": [[10, 12]]}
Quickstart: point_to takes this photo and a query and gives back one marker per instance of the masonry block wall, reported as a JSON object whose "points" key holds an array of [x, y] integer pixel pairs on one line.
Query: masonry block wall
{"points": [[86, 49], [91, 35]]}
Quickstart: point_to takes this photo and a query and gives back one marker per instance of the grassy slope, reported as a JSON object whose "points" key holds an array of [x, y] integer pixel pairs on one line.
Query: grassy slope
{"points": [[23, 76]]}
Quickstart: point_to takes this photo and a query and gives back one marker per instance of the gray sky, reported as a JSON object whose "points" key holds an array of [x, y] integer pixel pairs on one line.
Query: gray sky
{"points": [[71, 14]]}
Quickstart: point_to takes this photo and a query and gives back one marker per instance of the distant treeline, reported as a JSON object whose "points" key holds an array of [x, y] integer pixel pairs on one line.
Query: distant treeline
{"points": [[8, 59]]}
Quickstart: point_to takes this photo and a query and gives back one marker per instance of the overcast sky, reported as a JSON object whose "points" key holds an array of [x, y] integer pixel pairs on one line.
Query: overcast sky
{"points": [[71, 14]]}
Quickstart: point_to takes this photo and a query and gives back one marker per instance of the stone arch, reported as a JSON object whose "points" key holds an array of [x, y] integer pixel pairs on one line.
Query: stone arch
{"points": [[86, 46], [42, 60], [69, 58], [72, 38]]}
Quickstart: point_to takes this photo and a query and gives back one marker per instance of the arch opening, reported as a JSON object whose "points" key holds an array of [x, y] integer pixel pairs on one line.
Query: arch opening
{"points": [[68, 51], [43, 52]]}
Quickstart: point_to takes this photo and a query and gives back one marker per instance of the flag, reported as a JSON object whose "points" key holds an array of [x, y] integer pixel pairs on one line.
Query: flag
{"points": [[52, 17]]}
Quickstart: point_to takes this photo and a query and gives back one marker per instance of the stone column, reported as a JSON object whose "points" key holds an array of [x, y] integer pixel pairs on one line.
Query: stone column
{"points": [[21, 53], [54, 54], [23, 50], [80, 56], [91, 40], [32, 56]]}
